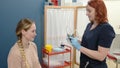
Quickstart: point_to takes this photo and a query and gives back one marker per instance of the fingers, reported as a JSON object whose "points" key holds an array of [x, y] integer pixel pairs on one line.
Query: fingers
{"points": [[71, 37]]}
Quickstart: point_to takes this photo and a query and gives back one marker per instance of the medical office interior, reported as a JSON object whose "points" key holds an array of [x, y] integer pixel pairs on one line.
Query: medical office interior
{"points": [[54, 20]]}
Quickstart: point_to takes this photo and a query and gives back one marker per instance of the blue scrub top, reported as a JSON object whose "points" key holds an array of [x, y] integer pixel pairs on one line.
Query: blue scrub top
{"points": [[103, 36]]}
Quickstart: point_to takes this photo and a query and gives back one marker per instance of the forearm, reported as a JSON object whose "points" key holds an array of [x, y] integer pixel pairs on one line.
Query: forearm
{"points": [[98, 55]]}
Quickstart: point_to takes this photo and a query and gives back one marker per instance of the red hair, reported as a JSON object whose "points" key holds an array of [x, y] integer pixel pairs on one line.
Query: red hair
{"points": [[100, 9]]}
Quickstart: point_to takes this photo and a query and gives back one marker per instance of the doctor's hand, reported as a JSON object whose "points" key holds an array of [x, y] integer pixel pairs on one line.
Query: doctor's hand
{"points": [[75, 43]]}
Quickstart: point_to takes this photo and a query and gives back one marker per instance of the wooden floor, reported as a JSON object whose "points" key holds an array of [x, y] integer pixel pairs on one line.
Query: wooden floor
{"points": [[110, 64]]}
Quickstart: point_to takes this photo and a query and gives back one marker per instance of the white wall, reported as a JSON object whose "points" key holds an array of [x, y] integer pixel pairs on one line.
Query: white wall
{"points": [[113, 8], [83, 1]]}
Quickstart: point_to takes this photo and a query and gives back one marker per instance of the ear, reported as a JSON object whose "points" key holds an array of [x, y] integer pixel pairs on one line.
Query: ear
{"points": [[23, 32]]}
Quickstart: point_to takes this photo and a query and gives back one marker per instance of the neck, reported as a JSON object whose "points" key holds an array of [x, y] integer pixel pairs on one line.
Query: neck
{"points": [[95, 22], [25, 43], [94, 25]]}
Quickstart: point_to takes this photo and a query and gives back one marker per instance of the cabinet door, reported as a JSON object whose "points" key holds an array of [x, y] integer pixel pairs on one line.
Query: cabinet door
{"points": [[59, 21]]}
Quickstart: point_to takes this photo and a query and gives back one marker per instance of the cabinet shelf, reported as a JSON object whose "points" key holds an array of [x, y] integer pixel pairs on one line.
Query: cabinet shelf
{"points": [[65, 63], [54, 53]]}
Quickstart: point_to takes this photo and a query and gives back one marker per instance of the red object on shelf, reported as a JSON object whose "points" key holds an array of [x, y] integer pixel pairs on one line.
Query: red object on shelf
{"points": [[49, 54], [111, 57], [55, 2], [60, 66], [54, 53]]}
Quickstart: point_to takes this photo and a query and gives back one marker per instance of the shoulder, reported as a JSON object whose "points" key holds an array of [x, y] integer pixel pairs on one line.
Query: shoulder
{"points": [[106, 26], [14, 49], [14, 53], [106, 35], [33, 45]]}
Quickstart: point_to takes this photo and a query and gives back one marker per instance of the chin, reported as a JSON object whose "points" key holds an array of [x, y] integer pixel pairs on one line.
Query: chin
{"points": [[32, 40], [91, 20]]}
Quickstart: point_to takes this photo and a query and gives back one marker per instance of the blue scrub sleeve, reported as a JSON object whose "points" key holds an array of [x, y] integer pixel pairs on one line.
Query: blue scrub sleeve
{"points": [[106, 36]]}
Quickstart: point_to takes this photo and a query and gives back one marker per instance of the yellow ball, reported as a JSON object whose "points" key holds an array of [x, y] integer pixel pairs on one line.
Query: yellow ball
{"points": [[48, 47]]}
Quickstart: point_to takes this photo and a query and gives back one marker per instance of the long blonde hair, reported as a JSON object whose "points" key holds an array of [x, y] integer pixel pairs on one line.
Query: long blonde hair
{"points": [[23, 24]]}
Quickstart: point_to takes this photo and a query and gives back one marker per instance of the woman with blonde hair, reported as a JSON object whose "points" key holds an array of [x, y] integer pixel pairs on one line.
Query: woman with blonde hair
{"points": [[24, 54]]}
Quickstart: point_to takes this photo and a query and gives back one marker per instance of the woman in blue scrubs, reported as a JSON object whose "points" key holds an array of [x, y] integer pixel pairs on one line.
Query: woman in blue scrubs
{"points": [[97, 37]]}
